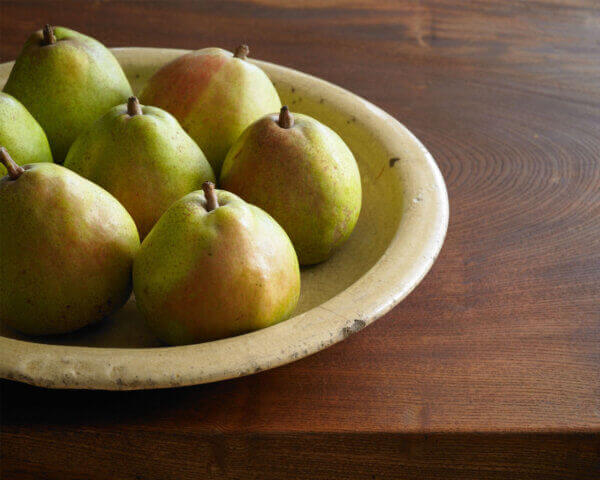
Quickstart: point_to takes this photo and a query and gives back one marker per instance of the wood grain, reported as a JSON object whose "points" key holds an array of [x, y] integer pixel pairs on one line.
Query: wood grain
{"points": [[504, 333], [78, 454]]}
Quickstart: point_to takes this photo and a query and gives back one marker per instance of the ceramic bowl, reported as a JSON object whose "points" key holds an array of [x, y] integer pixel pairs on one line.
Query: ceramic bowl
{"points": [[399, 234]]}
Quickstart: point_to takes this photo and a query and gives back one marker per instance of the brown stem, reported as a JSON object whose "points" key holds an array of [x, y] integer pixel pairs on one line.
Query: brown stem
{"points": [[286, 119], [14, 170], [211, 196], [242, 52], [49, 37], [134, 107]]}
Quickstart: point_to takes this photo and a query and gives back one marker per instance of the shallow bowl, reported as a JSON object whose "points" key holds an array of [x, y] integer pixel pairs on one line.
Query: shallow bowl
{"points": [[399, 234]]}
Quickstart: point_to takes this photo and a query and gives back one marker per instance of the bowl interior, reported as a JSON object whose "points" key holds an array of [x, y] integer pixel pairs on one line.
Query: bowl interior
{"points": [[378, 223]]}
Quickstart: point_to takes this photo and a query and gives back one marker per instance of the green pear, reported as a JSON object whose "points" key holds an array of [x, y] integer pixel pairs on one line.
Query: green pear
{"points": [[214, 266], [21, 134], [302, 174], [66, 80], [215, 95], [143, 157], [66, 249]]}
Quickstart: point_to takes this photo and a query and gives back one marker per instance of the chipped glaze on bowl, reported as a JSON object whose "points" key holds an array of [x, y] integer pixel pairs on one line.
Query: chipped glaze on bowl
{"points": [[400, 231]]}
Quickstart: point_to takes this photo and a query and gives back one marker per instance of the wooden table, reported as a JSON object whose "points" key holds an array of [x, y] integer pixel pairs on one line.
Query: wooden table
{"points": [[491, 368]]}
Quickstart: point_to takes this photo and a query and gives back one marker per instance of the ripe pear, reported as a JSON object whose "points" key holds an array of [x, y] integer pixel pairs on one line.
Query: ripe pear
{"points": [[301, 173], [21, 134], [66, 80], [66, 249], [214, 266], [215, 95], [143, 157]]}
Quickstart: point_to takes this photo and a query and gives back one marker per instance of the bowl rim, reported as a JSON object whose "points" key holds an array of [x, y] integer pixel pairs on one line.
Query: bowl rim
{"points": [[376, 292]]}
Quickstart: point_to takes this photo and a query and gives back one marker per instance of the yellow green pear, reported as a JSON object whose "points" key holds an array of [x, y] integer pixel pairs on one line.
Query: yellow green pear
{"points": [[66, 249], [143, 157], [214, 266], [21, 134], [215, 95], [66, 80], [302, 174]]}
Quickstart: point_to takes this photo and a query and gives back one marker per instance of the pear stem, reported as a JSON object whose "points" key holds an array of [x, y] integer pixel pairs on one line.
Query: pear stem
{"points": [[49, 37], [134, 107], [14, 170], [286, 119], [211, 196], [242, 52]]}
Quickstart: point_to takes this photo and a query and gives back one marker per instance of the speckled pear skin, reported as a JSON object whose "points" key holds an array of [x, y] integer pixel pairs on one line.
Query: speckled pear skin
{"points": [[21, 134], [214, 95], [206, 275], [305, 177], [67, 85], [67, 249], [146, 161]]}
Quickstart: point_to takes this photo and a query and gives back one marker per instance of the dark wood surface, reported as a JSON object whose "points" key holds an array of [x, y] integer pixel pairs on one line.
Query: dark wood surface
{"points": [[491, 367]]}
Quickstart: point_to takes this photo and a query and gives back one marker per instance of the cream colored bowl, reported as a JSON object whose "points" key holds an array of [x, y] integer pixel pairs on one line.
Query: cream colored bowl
{"points": [[399, 234]]}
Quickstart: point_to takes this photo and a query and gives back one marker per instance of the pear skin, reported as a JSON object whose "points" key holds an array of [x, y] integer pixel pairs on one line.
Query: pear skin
{"points": [[66, 80], [21, 134], [302, 174], [67, 249], [143, 157], [214, 266], [215, 95]]}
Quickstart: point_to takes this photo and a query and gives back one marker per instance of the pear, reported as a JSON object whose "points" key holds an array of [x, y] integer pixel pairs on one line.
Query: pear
{"points": [[143, 157], [66, 80], [214, 266], [301, 173], [21, 134], [215, 95], [66, 249]]}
